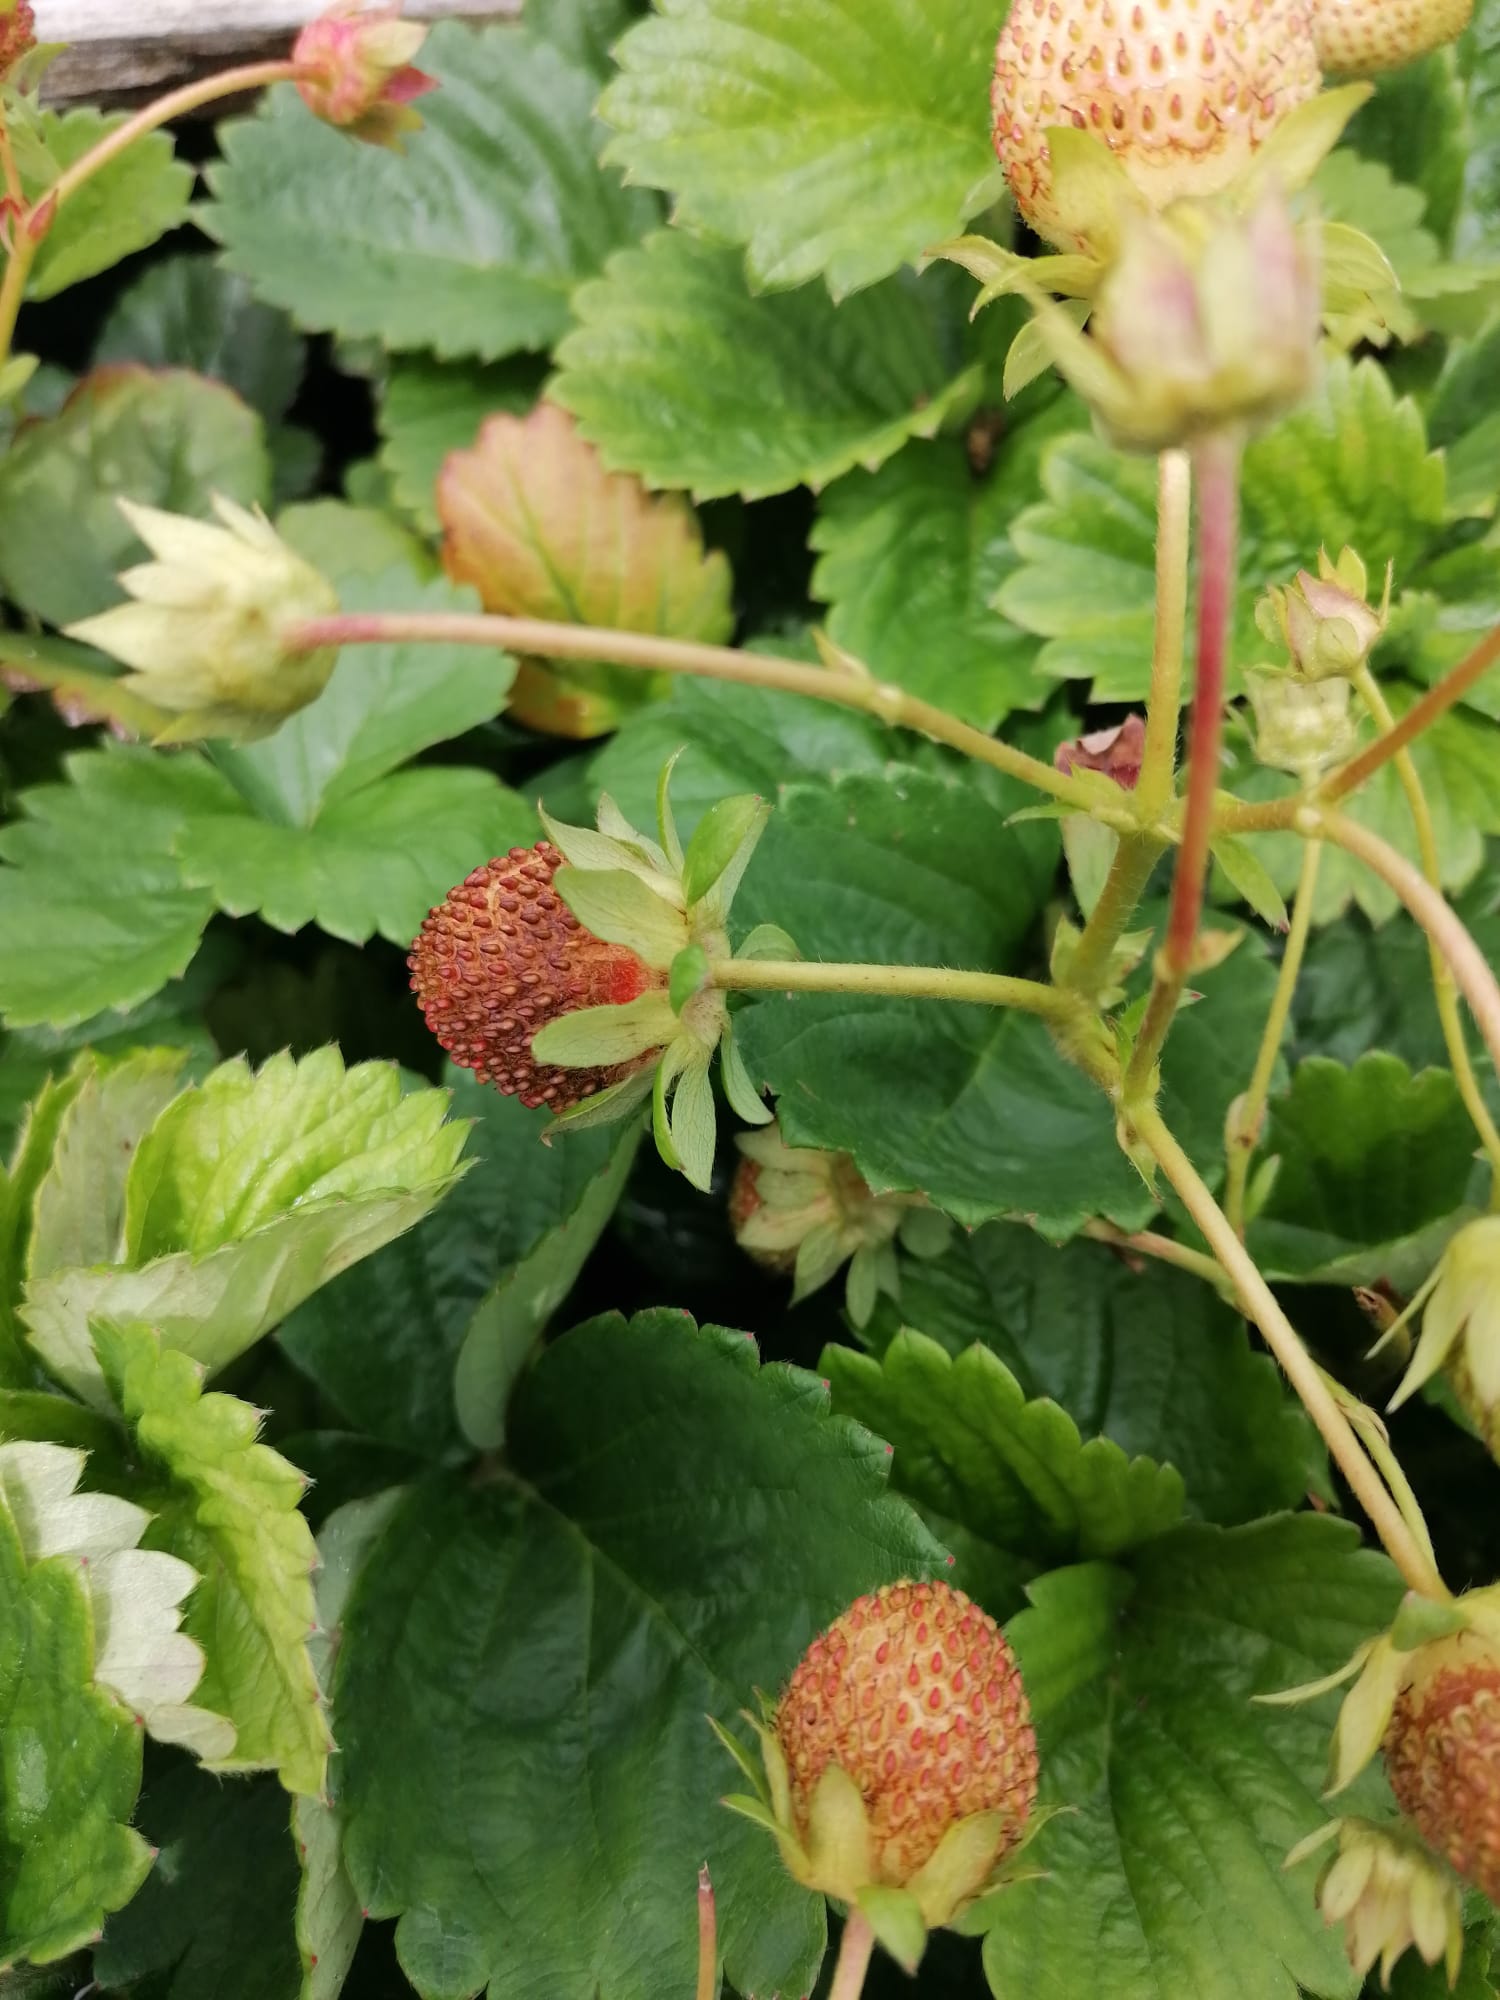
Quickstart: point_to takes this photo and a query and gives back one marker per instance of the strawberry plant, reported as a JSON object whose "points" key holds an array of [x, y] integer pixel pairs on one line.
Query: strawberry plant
{"points": [[750, 1226]]}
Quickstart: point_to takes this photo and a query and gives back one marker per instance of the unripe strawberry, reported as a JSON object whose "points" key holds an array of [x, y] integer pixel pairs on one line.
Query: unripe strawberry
{"points": [[1359, 37], [500, 957], [1442, 1754], [916, 1696], [1184, 92]]}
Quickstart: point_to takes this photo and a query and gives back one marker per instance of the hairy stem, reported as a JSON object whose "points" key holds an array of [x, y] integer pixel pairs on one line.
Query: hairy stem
{"points": [[1218, 469], [1476, 980], [1174, 490], [1129, 872], [854, 1958], [899, 982], [1444, 988], [1248, 1114], [1164, 1249], [548, 640], [708, 1938], [1420, 716], [1414, 1562]]}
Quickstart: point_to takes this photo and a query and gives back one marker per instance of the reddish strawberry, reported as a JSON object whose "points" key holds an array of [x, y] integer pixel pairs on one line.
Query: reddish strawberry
{"points": [[17, 32], [500, 957], [746, 1203], [1183, 91], [915, 1694], [1359, 37], [1442, 1753]]}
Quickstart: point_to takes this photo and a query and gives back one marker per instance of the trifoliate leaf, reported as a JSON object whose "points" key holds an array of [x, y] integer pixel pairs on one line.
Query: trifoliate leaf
{"points": [[1165, 1874], [912, 561], [645, 1464], [1007, 1483], [428, 409], [229, 1507], [1376, 1172], [536, 525], [470, 1278], [1147, 1357], [79, 1208], [163, 437], [140, 195], [470, 242], [188, 312], [680, 373], [248, 1193], [215, 1914], [834, 142]]}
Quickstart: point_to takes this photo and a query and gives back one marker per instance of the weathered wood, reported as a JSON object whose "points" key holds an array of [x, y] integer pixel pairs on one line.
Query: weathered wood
{"points": [[124, 51]]}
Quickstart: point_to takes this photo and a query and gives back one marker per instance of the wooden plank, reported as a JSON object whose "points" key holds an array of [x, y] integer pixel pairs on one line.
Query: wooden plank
{"points": [[168, 41]]}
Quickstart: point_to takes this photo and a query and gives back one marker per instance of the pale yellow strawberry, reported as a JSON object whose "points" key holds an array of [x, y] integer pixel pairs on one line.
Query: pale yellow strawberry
{"points": [[1184, 92], [1359, 37]]}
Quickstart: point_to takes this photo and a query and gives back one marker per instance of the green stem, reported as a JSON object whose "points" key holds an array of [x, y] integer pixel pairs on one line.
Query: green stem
{"points": [[1473, 974], [545, 639], [1174, 492], [855, 1948], [1249, 1111], [898, 982], [31, 227], [1164, 1249], [1415, 1563], [1444, 990], [1129, 872], [1218, 469]]}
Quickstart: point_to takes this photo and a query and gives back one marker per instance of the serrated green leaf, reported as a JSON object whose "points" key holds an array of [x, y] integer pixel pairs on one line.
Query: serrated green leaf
{"points": [[428, 408], [597, 1549], [125, 207], [371, 864], [1376, 1172], [1151, 1359], [79, 1208], [416, 1301], [830, 140], [1349, 466], [188, 312], [911, 564], [674, 366], [165, 438], [215, 1915], [90, 920], [1007, 1483], [249, 1192], [229, 1507], [1166, 1873], [470, 242]]}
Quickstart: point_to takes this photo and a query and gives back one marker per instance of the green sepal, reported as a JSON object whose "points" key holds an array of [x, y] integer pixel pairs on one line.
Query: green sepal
{"points": [[601, 852], [1422, 1619], [1301, 141], [666, 819], [1249, 875], [14, 375], [619, 907], [607, 1106], [768, 941], [745, 1100], [753, 1809], [602, 1037], [667, 1071], [688, 976], [838, 1836], [896, 1919], [693, 1124], [719, 852], [739, 1753], [925, 1232]]}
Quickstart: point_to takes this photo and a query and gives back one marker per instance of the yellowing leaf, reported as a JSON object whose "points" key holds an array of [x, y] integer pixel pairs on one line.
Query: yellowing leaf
{"points": [[534, 522]]}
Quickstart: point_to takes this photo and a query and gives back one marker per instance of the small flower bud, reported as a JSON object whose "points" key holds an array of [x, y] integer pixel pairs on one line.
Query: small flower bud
{"points": [[1460, 1308], [1116, 752], [1326, 622], [17, 32], [356, 71], [206, 634]]}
